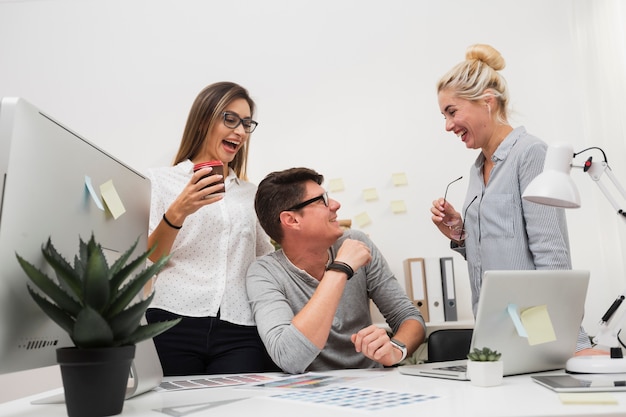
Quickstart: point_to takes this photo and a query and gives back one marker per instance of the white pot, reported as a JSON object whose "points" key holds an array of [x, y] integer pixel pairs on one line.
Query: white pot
{"points": [[485, 374]]}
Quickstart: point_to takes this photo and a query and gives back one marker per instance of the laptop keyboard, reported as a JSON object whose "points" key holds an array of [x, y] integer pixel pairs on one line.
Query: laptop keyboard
{"points": [[455, 368]]}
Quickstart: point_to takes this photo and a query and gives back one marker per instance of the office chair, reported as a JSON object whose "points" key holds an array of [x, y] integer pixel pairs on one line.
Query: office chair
{"points": [[449, 344]]}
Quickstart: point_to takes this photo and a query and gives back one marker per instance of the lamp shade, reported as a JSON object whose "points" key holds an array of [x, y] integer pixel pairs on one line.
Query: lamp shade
{"points": [[554, 186]]}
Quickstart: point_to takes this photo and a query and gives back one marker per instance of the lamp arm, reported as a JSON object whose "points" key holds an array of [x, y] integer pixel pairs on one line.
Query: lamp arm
{"points": [[595, 171], [610, 325]]}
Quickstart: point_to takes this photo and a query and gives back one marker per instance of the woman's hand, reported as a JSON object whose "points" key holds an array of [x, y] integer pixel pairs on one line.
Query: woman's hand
{"points": [[192, 197], [445, 217], [195, 195]]}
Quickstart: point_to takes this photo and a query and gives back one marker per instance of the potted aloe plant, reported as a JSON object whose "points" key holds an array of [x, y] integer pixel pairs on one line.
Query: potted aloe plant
{"points": [[93, 303], [484, 367]]}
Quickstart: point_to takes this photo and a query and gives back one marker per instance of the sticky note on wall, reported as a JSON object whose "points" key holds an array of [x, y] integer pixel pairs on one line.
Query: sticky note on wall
{"points": [[363, 219], [370, 194], [398, 206], [399, 179], [335, 185]]}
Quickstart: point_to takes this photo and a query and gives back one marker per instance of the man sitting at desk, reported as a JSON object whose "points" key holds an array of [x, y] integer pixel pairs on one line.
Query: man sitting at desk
{"points": [[310, 299]]}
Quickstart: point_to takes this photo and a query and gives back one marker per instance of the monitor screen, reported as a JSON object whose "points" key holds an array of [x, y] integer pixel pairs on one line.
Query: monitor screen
{"points": [[50, 187]]}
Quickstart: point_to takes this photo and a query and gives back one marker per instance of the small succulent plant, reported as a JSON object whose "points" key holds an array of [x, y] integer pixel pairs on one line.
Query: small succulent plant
{"points": [[90, 300], [484, 355]]}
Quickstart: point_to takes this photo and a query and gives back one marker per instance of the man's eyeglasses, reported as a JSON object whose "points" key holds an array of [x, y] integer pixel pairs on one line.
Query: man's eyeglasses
{"points": [[232, 120], [323, 197]]}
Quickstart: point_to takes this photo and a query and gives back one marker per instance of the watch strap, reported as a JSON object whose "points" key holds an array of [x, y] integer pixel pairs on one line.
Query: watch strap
{"points": [[341, 267]]}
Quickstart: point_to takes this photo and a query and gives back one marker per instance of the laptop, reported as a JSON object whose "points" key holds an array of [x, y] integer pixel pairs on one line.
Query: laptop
{"points": [[562, 293]]}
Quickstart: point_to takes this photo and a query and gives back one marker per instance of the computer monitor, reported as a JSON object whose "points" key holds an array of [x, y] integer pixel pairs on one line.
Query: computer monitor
{"points": [[46, 174]]}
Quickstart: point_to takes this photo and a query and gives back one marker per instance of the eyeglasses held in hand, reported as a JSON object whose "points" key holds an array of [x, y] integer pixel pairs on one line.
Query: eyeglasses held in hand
{"points": [[323, 197], [449, 221], [458, 233], [447, 186], [232, 121]]}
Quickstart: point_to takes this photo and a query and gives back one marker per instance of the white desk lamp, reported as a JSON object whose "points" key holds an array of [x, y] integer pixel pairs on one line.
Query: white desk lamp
{"points": [[554, 187]]}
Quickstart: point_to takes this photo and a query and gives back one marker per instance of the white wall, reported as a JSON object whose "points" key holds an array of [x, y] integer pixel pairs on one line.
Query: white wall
{"points": [[344, 86]]}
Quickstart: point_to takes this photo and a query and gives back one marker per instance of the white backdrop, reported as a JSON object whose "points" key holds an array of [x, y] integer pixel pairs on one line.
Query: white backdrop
{"points": [[346, 87]]}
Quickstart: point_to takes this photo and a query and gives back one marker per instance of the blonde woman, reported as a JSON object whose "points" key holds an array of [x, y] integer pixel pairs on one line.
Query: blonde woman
{"points": [[500, 230]]}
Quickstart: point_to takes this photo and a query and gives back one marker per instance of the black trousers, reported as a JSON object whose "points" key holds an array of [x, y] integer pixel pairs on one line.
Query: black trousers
{"points": [[208, 345]]}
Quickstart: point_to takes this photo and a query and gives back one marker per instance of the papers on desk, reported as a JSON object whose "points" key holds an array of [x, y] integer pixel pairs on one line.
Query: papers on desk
{"points": [[587, 398], [213, 382], [313, 388], [308, 381], [355, 398], [334, 391]]}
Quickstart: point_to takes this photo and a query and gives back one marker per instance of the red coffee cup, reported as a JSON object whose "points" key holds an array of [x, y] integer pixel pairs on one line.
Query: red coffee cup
{"points": [[218, 169]]}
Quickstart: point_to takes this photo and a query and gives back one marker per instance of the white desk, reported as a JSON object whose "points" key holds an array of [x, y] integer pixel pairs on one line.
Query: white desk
{"points": [[518, 396]]}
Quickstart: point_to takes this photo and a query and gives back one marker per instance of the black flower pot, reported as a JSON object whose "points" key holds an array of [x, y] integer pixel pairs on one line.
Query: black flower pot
{"points": [[95, 380]]}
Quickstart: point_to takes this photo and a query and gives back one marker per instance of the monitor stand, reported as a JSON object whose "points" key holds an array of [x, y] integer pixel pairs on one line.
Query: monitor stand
{"points": [[145, 374]]}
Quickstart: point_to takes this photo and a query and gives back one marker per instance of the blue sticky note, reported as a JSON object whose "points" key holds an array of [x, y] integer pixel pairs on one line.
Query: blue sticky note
{"points": [[92, 193], [517, 321]]}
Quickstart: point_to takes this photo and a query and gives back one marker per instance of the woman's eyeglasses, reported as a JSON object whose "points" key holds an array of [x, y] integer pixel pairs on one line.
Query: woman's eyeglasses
{"points": [[449, 221], [456, 225], [458, 233], [232, 120]]}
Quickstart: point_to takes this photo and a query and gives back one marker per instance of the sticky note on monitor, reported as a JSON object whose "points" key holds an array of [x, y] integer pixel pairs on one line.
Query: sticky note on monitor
{"points": [[112, 199], [536, 321], [517, 321], [92, 193]]}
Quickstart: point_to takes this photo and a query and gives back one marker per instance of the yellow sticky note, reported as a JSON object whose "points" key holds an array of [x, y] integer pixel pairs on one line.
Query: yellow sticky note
{"points": [[335, 185], [370, 194], [587, 398], [362, 219], [398, 206], [399, 179], [536, 321], [112, 199]]}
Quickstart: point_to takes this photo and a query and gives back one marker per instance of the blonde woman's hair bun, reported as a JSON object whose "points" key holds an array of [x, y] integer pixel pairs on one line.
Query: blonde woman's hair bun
{"points": [[487, 54]]}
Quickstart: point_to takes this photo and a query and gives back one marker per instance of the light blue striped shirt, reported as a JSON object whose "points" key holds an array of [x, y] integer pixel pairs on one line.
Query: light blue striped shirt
{"points": [[505, 232]]}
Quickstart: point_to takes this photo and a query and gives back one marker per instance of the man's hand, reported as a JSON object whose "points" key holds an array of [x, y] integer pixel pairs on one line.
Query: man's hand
{"points": [[355, 253], [374, 343]]}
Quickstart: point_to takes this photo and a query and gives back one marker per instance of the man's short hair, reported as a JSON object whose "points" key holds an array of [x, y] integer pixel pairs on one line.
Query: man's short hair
{"points": [[278, 191]]}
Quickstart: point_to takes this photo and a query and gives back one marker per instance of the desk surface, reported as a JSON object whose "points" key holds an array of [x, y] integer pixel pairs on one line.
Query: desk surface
{"points": [[517, 396]]}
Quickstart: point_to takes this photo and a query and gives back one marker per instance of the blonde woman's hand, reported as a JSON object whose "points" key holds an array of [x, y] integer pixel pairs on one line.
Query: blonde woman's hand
{"points": [[445, 217]]}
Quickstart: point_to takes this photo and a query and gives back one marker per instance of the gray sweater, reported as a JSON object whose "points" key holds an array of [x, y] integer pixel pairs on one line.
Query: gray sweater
{"points": [[278, 290]]}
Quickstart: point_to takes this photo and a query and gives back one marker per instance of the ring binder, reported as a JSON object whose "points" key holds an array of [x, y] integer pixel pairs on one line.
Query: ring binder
{"points": [[415, 277], [448, 285], [434, 293]]}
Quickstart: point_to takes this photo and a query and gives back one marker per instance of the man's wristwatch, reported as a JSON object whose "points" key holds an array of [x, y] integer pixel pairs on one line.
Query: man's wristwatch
{"points": [[399, 345]]}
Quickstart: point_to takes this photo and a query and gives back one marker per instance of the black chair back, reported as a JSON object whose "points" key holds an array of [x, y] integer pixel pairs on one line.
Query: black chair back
{"points": [[449, 344]]}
